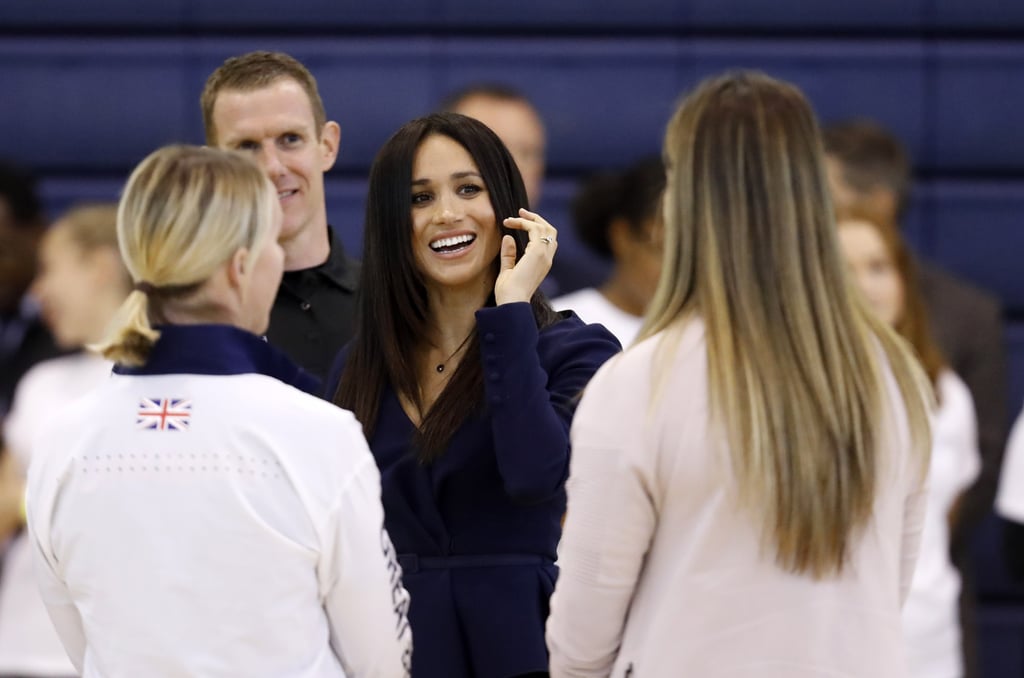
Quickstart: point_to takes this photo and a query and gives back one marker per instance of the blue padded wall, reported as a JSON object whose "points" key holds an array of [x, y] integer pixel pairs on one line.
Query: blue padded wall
{"points": [[92, 105], [976, 108]]}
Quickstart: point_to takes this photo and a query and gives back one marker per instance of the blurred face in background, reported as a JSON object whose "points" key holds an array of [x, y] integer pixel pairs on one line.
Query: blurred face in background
{"points": [[520, 129], [78, 290], [872, 267], [638, 252]]}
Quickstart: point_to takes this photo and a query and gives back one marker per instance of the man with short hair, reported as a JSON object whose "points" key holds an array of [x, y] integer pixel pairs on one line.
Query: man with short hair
{"points": [[267, 104], [869, 170]]}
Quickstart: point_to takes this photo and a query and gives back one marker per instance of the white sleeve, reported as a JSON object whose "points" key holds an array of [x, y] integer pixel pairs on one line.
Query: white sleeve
{"points": [[40, 499], [608, 530], [362, 588], [1010, 498], [23, 421], [957, 398], [914, 505]]}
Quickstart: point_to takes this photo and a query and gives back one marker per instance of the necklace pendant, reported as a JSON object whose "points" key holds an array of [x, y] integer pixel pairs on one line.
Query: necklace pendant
{"points": [[440, 368]]}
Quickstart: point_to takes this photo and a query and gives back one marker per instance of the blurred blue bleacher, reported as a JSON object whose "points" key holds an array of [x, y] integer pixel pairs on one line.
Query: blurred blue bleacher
{"points": [[90, 88]]}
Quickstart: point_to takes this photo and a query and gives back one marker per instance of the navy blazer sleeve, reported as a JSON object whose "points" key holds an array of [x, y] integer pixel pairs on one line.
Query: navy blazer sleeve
{"points": [[533, 379]]}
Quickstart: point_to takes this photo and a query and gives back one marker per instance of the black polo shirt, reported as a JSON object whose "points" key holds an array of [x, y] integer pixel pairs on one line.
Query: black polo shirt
{"points": [[314, 312]]}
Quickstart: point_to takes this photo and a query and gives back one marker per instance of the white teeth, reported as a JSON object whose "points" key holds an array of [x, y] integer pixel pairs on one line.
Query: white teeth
{"points": [[452, 241], [285, 194]]}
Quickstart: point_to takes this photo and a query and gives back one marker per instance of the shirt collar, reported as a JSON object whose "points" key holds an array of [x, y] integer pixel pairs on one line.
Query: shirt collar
{"points": [[219, 350]]}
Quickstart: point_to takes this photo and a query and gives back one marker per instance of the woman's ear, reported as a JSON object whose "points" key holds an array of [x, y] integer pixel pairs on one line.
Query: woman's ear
{"points": [[238, 269], [620, 237]]}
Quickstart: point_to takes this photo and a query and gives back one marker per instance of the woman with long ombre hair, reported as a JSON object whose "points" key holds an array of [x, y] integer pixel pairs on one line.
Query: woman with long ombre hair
{"points": [[746, 488]]}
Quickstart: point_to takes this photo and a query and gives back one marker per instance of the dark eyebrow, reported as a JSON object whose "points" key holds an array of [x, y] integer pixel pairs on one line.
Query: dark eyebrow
{"points": [[457, 175]]}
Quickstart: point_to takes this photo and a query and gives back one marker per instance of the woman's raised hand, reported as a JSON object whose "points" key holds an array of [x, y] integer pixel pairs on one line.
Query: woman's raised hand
{"points": [[518, 281]]}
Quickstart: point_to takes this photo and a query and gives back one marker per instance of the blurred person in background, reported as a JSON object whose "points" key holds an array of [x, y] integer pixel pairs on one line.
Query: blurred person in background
{"points": [[267, 104], [618, 216], [80, 285], [883, 270], [700, 538], [869, 171], [514, 118]]}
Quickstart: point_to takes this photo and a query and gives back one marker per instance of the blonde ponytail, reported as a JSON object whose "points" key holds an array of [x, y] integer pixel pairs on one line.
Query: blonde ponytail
{"points": [[131, 337]]}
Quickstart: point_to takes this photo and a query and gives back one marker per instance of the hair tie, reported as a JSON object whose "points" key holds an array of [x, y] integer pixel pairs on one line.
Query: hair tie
{"points": [[145, 287]]}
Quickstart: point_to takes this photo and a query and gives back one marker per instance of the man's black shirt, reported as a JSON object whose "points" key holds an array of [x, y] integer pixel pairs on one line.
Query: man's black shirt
{"points": [[314, 312]]}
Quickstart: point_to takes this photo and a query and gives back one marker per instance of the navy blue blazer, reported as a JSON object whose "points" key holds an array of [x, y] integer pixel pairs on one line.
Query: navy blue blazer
{"points": [[477, 529]]}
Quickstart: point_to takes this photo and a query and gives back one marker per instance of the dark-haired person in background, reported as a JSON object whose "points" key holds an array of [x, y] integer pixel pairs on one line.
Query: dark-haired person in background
{"points": [[617, 216], [465, 381], [24, 340], [869, 172]]}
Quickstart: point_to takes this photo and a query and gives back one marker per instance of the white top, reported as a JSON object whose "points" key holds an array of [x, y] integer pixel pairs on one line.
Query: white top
{"points": [[661, 572], [242, 536], [931, 616], [1010, 498], [29, 645], [594, 308]]}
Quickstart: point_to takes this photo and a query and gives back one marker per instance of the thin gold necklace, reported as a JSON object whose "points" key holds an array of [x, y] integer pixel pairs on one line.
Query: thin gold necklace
{"points": [[439, 368]]}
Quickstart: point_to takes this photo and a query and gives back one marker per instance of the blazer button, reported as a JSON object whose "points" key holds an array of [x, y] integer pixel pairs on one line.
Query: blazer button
{"points": [[305, 306], [489, 337]]}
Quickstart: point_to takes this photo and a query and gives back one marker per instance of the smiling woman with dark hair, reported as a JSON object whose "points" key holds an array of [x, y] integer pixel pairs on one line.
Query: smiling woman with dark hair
{"points": [[465, 382]]}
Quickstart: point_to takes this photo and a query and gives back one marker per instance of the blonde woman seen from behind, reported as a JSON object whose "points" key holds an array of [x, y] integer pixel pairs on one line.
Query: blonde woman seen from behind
{"points": [[198, 514], [756, 512]]}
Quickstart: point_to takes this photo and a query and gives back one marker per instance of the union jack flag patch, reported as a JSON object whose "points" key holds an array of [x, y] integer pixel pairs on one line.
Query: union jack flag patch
{"points": [[164, 414]]}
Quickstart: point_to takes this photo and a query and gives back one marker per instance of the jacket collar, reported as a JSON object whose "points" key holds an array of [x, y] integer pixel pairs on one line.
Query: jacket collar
{"points": [[219, 350]]}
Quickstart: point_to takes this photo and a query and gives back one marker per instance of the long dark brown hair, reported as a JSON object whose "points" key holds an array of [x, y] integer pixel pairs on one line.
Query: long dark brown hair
{"points": [[392, 320]]}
